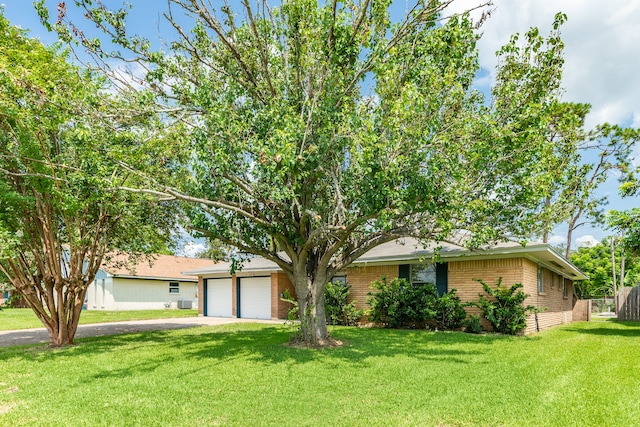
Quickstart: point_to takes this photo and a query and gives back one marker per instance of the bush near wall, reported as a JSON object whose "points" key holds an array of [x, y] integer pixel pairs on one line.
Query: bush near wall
{"points": [[338, 310], [503, 307], [399, 304]]}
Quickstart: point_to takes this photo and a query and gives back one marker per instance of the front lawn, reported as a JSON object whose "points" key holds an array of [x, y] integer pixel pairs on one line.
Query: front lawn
{"points": [[24, 318], [243, 375]]}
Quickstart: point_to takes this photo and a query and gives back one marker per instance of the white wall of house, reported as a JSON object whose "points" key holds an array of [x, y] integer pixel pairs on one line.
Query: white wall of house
{"points": [[117, 293]]}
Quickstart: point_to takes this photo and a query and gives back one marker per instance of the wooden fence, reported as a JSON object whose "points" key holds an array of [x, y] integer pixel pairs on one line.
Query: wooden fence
{"points": [[629, 304], [582, 310]]}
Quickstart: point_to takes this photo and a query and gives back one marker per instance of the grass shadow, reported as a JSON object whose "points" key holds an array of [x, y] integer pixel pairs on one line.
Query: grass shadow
{"points": [[266, 344], [609, 327]]}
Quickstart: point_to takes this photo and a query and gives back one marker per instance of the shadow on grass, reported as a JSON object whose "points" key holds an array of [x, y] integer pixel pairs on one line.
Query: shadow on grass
{"points": [[610, 327], [264, 344]]}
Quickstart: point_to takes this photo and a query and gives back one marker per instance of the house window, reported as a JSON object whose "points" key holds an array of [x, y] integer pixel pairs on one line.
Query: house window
{"points": [[421, 273], [564, 288], [174, 287], [339, 279], [540, 280]]}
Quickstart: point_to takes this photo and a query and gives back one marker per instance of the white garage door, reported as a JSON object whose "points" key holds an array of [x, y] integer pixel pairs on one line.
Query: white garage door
{"points": [[219, 297], [255, 297]]}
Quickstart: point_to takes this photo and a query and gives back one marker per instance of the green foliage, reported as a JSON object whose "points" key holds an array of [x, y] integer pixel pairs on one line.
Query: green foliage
{"points": [[595, 262], [472, 325], [311, 132], [292, 314], [627, 223], [449, 311], [503, 307], [216, 251], [411, 378], [62, 141], [398, 304], [337, 308], [24, 318]]}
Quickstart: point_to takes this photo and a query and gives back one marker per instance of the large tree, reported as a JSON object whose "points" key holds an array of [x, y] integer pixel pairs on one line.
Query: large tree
{"points": [[316, 131], [58, 218], [596, 263], [585, 160]]}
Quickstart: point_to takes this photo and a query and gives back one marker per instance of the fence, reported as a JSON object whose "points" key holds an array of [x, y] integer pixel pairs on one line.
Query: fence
{"points": [[603, 306], [629, 299], [582, 310]]}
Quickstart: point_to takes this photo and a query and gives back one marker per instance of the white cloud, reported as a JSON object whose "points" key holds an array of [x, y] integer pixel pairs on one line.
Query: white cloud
{"points": [[587, 241], [191, 249], [556, 240]]}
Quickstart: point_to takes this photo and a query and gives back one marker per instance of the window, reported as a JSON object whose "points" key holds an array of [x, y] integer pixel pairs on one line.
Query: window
{"points": [[564, 288], [540, 280], [339, 279], [421, 273], [174, 287]]}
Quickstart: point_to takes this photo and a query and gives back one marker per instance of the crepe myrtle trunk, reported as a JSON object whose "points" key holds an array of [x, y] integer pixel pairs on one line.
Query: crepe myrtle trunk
{"points": [[60, 315], [310, 286]]}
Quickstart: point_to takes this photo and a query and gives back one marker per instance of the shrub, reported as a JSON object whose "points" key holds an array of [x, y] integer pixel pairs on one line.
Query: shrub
{"points": [[398, 304], [449, 311], [472, 325], [504, 309], [337, 309]]}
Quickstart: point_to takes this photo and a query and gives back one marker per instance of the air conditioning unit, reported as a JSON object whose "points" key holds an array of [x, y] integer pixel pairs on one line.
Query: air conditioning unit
{"points": [[185, 303]]}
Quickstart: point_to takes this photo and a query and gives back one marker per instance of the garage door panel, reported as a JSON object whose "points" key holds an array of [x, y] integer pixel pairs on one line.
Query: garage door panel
{"points": [[255, 297], [219, 297]]}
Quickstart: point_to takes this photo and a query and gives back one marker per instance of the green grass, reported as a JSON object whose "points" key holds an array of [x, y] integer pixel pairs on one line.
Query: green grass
{"points": [[24, 318], [583, 374]]}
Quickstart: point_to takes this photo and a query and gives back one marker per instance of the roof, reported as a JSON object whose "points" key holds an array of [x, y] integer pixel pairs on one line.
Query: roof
{"points": [[167, 267], [409, 250]]}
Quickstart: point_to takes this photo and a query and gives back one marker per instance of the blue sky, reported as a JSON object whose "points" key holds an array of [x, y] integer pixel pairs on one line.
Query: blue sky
{"points": [[602, 56]]}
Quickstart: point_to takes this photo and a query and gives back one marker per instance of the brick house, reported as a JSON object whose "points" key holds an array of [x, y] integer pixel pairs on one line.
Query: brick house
{"points": [[255, 291]]}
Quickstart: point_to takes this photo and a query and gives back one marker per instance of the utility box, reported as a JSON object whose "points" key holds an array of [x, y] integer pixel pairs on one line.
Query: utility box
{"points": [[185, 303]]}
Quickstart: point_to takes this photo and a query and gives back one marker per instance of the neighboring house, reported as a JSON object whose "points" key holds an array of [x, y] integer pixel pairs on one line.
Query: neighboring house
{"points": [[147, 285], [255, 291]]}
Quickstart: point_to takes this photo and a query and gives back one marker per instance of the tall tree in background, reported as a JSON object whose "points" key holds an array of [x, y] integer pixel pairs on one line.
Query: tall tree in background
{"points": [[596, 263], [585, 160], [319, 130], [57, 218], [627, 224]]}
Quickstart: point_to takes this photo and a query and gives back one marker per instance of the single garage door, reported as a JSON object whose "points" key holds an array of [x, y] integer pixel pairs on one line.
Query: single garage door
{"points": [[255, 297], [219, 297]]}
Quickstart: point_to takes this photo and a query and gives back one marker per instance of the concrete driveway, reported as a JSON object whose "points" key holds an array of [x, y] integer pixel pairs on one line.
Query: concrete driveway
{"points": [[40, 335]]}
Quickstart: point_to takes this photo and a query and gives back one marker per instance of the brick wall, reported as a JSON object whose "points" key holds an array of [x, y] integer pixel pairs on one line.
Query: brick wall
{"points": [[558, 309], [582, 310], [279, 283], [200, 296], [360, 278], [234, 297], [462, 277]]}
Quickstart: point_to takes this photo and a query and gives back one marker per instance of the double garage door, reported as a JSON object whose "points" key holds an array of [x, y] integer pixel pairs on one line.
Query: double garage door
{"points": [[254, 297]]}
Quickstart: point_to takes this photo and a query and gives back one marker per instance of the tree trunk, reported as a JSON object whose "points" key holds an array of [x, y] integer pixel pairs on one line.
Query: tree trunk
{"points": [[62, 324], [613, 274], [622, 262], [310, 294], [571, 227]]}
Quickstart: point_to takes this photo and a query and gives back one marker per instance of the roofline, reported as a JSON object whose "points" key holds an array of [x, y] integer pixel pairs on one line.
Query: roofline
{"points": [[245, 272], [492, 253], [527, 252], [129, 276]]}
